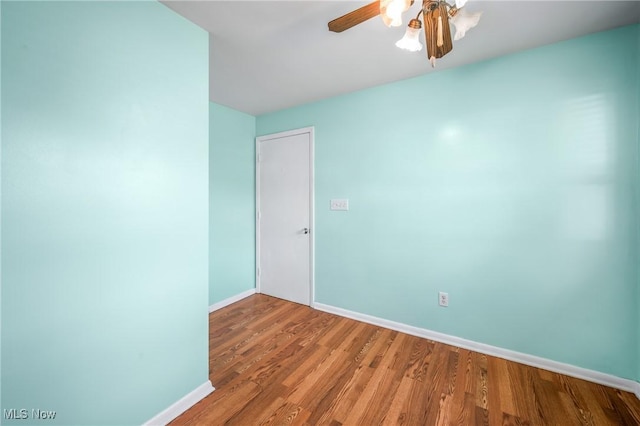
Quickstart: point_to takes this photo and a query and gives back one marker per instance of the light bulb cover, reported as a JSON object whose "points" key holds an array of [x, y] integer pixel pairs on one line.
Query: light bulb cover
{"points": [[464, 21], [411, 41], [391, 11]]}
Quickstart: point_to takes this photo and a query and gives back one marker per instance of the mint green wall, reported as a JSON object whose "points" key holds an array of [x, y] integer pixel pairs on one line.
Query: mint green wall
{"points": [[638, 198], [0, 200], [104, 209], [231, 203], [507, 183]]}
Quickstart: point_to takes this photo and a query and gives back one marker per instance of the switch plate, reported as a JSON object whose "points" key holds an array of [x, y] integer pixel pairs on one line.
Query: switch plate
{"points": [[339, 204]]}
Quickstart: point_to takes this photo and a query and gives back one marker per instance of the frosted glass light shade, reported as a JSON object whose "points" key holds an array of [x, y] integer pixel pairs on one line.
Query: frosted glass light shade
{"points": [[464, 21], [391, 11], [410, 41]]}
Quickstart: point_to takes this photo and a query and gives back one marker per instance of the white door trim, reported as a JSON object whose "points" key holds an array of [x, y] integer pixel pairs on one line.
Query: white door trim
{"points": [[305, 130]]}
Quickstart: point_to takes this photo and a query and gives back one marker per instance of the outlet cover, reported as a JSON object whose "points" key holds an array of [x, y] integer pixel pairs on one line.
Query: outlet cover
{"points": [[443, 299]]}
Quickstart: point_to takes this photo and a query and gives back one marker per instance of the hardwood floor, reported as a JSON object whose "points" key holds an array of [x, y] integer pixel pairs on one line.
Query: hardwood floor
{"points": [[276, 362]]}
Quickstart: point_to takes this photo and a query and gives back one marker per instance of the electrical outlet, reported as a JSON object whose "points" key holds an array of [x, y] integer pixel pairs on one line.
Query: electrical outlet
{"points": [[443, 299]]}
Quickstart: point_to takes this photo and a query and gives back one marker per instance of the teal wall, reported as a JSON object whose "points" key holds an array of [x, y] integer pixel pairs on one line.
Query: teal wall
{"points": [[104, 209], [0, 200], [231, 203], [508, 184], [638, 200]]}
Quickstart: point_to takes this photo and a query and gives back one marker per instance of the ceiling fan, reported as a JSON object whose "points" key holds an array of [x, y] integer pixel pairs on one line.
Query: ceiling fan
{"points": [[436, 15]]}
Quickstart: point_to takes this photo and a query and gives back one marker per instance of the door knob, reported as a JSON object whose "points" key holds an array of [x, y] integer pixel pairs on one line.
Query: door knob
{"points": [[305, 230]]}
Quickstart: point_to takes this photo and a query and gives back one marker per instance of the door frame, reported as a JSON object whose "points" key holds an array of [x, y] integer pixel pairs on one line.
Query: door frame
{"points": [[311, 132]]}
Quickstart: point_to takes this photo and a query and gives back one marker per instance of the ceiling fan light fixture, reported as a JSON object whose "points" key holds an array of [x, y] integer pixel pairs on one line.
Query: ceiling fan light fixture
{"points": [[434, 17], [411, 40]]}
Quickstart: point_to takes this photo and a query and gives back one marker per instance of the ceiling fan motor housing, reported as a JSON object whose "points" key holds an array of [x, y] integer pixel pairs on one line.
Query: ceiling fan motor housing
{"points": [[437, 32]]}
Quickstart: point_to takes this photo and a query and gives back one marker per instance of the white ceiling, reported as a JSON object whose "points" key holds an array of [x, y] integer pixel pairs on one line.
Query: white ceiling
{"points": [[270, 55]]}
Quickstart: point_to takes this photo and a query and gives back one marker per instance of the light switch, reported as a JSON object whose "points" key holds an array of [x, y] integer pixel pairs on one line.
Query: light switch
{"points": [[339, 204]]}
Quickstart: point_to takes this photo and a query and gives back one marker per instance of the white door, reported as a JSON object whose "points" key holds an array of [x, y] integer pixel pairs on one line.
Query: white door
{"points": [[284, 202]]}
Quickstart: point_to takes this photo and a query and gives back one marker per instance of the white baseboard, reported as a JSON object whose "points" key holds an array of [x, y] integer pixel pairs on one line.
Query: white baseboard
{"points": [[232, 299], [182, 405], [522, 358]]}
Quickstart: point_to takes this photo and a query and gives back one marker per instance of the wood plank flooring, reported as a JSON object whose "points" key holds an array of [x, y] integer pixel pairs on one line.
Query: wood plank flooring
{"points": [[274, 362]]}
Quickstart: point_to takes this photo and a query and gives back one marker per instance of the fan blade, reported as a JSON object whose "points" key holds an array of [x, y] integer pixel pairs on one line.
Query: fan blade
{"points": [[354, 18]]}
